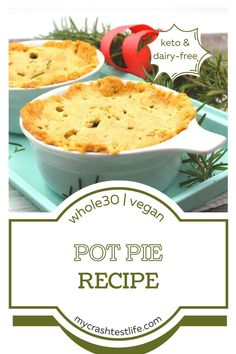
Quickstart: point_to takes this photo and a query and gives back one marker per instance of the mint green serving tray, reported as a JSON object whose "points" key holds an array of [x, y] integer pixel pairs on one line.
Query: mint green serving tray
{"points": [[25, 176]]}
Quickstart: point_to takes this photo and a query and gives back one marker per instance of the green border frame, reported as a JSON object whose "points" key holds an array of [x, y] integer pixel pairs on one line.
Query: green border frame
{"points": [[58, 309]]}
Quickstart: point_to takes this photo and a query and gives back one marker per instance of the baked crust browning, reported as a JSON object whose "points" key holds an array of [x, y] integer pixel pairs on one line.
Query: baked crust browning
{"points": [[108, 116], [52, 63]]}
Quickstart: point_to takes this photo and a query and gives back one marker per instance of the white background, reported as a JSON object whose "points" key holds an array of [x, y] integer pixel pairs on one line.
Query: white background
{"points": [[39, 21], [50, 340]]}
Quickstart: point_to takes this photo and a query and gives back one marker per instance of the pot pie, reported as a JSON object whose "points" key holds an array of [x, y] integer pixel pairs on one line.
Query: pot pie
{"points": [[51, 63], [108, 116]]}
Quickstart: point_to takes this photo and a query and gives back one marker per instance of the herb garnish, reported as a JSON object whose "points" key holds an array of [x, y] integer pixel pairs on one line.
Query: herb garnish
{"points": [[48, 65], [202, 167], [210, 87], [38, 74]]}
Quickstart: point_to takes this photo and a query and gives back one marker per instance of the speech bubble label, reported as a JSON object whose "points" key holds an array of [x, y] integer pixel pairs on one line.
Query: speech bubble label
{"points": [[178, 52]]}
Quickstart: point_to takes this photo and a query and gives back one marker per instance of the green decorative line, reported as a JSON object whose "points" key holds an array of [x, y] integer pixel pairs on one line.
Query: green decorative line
{"points": [[35, 321], [111, 189], [140, 349], [147, 347], [204, 321], [114, 339], [32, 321]]}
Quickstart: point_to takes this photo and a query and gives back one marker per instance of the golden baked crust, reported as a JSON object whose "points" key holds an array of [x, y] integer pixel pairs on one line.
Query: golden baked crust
{"points": [[52, 63], [108, 116]]}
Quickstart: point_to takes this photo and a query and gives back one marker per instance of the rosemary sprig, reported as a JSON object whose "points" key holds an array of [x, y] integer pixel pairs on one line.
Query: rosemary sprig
{"points": [[211, 87], [69, 30], [93, 35], [202, 167]]}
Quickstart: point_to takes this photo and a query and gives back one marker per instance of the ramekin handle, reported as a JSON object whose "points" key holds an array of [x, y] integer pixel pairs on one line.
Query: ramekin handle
{"points": [[196, 139]]}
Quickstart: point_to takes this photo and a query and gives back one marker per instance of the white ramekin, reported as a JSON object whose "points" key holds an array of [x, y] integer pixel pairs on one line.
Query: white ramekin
{"points": [[18, 97], [67, 171]]}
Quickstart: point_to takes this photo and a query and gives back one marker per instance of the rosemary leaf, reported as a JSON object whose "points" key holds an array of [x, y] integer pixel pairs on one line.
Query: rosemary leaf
{"points": [[202, 167], [69, 30], [48, 65], [201, 120], [200, 107], [38, 74]]}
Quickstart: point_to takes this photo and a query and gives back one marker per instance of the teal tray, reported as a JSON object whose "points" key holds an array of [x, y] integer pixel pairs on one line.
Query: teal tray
{"points": [[25, 176]]}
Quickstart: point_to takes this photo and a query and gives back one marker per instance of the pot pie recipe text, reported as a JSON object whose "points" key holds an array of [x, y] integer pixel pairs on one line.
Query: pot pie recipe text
{"points": [[51, 63], [108, 116]]}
